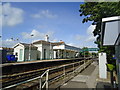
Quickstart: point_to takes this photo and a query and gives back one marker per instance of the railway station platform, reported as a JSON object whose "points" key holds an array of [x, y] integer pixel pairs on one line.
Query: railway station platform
{"points": [[88, 79], [19, 67]]}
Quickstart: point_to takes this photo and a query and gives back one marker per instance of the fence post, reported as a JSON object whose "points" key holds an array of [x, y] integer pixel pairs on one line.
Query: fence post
{"points": [[47, 79], [84, 63], [79, 67], [79, 63], [64, 73], [40, 84], [64, 70], [73, 69]]}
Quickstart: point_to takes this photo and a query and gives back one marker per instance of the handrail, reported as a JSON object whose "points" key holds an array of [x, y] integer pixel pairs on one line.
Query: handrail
{"points": [[46, 73], [39, 77], [65, 65], [46, 81], [20, 83], [81, 67]]}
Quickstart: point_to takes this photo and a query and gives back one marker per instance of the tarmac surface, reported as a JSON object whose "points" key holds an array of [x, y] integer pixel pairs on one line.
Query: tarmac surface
{"points": [[85, 79], [88, 79]]}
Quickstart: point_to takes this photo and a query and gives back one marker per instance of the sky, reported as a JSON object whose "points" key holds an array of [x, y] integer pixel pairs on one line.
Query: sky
{"points": [[59, 20]]}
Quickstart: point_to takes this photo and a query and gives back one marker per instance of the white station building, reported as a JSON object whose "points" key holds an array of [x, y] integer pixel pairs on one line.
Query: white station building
{"points": [[43, 49]]}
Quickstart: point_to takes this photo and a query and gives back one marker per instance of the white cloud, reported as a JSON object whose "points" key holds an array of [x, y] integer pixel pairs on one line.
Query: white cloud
{"points": [[36, 34], [71, 44], [9, 40], [44, 14], [91, 38], [8, 43], [11, 16], [91, 29], [79, 37], [90, 33], [74, 44], [85, 40], [0, 15]]}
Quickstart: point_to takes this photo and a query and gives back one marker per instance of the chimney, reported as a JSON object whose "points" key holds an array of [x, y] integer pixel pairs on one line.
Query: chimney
{"points": [[47, 38]]}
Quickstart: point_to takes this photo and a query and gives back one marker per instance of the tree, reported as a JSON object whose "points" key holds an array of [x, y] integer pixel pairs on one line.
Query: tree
{"points": [[85, 52], [95, 11]]}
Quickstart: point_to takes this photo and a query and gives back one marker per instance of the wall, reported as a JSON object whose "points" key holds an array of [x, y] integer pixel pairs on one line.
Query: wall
{"points": [[47, 54], [39, 51], [33, 54], [17, 50], [59, 47]]}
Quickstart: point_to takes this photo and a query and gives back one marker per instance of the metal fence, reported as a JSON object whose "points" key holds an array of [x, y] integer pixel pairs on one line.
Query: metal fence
{"points": [[44, 79]]}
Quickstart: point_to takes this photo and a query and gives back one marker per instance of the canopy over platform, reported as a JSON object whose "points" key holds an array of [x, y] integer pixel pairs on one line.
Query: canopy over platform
{"points": [[110, 31]]}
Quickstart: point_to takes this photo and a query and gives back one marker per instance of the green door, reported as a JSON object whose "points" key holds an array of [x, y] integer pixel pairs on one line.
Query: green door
{"points": [[21, 54], [44, 53]]}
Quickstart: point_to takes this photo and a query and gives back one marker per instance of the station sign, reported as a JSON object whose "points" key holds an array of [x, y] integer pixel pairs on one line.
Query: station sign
{"points": [[90, 49]]}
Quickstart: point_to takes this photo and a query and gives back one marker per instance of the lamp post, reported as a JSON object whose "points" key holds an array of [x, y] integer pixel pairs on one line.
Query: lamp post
{"points": [[30, 49], [1, 41], [50, 51]]}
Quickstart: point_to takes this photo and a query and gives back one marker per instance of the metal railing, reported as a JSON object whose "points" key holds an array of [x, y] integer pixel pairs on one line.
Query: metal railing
{"points": [[40, 81], [66, 72], [74, 71], [46, 81]]}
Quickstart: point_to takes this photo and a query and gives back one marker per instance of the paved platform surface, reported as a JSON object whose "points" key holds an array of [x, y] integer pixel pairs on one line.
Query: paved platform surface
{"points": [[89, 80], [86, 79]]}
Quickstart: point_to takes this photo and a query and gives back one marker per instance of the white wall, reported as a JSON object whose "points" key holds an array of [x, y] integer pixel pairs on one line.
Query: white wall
{"points": [[47, 47], [39, 51], [25, 54], [102, 65], [59, 47], [33, 54], [17, 50]]}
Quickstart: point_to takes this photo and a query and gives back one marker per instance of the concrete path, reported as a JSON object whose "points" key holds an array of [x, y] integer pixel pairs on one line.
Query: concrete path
{"points": [[86, 79]]}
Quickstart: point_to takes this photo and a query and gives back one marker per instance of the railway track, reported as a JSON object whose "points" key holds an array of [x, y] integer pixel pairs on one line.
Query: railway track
{"points": [[55, 71], [16, 78]]}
